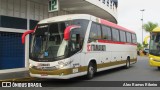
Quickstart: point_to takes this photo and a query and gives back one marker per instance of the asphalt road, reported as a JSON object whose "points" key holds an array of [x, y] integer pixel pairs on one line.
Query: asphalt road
{"points": [[141, 71]]}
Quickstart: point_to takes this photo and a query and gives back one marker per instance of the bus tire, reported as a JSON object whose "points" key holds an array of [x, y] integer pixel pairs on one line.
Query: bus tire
{"points": [[158, 68], [127, 63], [91, 70]]}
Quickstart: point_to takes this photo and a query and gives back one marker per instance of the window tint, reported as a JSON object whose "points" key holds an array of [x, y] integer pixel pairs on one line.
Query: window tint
{"points": [[75, 42], [99, 31], [95, 32], [115, 34], [83, 24], [129, 37], [122, 36], [134, 39], [106, 32]]}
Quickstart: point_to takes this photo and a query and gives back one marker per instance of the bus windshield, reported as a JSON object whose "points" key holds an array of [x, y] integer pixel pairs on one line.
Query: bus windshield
{"points": [[155, 44], [48, 43]]}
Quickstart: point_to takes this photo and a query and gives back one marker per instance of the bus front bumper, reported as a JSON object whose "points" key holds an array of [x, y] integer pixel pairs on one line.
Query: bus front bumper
{"points": [[154, 63], [50, 76], [55, 74]]}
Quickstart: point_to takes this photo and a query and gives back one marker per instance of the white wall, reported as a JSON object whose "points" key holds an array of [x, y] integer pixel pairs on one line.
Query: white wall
{"points": [[36, 10], [18, 8]]}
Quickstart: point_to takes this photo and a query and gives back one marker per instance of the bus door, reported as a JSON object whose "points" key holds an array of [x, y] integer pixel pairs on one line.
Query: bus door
{"points": [[75, 49]]}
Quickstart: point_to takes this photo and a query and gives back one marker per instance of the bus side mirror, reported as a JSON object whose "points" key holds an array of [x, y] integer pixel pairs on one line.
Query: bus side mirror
{"points": [[67, 31], [26, 33]]}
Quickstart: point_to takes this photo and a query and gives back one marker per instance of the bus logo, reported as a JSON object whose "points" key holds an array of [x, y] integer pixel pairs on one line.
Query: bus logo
{"points": [[6, 84], [96, 47]]}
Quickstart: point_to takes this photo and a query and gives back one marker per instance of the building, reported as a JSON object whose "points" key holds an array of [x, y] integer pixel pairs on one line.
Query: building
{"points": [[116, 2], [17, 16]]}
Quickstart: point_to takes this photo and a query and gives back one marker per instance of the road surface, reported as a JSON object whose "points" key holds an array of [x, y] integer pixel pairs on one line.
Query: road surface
{"points": [[141, 71]]}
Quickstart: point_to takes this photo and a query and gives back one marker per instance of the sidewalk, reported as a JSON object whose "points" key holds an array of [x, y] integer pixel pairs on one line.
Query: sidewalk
{"points": [[14, 75]]}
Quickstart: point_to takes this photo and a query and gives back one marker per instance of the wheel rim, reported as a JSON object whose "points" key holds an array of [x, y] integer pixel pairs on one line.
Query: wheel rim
{"points": [[127, 63], [91, 71]]}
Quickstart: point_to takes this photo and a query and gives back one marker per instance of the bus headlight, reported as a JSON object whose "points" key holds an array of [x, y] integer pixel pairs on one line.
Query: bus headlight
{"points": [[151, 58], [30, 65], [61, 66], [155, 59]]}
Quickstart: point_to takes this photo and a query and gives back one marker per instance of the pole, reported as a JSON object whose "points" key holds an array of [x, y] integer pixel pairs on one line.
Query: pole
{"points": [[142, 23], [27, 37]]}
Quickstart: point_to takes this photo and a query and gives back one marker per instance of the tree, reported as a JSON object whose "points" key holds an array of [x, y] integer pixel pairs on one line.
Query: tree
{"points": [[148, 27], [139, 46], [145, 45]]}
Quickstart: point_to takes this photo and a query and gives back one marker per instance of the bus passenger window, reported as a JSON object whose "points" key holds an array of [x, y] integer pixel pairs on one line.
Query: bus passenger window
{"points": [[122, 36], [115, 34], [129, 37], [134, 39], [95, 32], [106, 33]]}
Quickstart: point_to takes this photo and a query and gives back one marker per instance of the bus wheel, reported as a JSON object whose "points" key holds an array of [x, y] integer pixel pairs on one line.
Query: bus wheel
{"points": [[127, 63], [158, 68], [90, 71]]}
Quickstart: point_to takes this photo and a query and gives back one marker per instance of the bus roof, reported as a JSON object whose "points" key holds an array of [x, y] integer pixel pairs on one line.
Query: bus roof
{"points": [[105, 22], [65, 18], [157, 29], [83, 16]]}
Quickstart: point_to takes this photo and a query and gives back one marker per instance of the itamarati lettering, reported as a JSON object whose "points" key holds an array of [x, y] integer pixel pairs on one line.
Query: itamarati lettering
{"points": [[97, 47]]}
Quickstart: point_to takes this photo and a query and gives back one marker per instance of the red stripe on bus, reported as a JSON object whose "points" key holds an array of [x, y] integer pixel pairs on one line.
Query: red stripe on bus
{"points": [[105, 22], [115, 42]]}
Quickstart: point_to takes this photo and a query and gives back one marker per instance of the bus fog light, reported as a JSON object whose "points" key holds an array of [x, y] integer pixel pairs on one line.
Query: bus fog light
{"points": [[61, 74], [61, 66]]}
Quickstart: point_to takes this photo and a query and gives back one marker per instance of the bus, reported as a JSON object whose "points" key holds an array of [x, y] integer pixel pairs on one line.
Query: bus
{"points": [[154, 48], [68, 46]]}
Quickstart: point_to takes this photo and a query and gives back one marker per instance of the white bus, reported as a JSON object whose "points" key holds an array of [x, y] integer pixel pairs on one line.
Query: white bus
{"points": [[68, 46]]}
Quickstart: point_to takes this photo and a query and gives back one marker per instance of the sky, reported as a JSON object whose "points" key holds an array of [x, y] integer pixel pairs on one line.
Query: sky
{"points": [[129, 14]]}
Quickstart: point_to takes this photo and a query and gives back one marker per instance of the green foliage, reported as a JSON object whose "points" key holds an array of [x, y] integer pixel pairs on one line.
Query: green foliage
{"points": [[148, 27], [145, 45], [139, 46]]}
